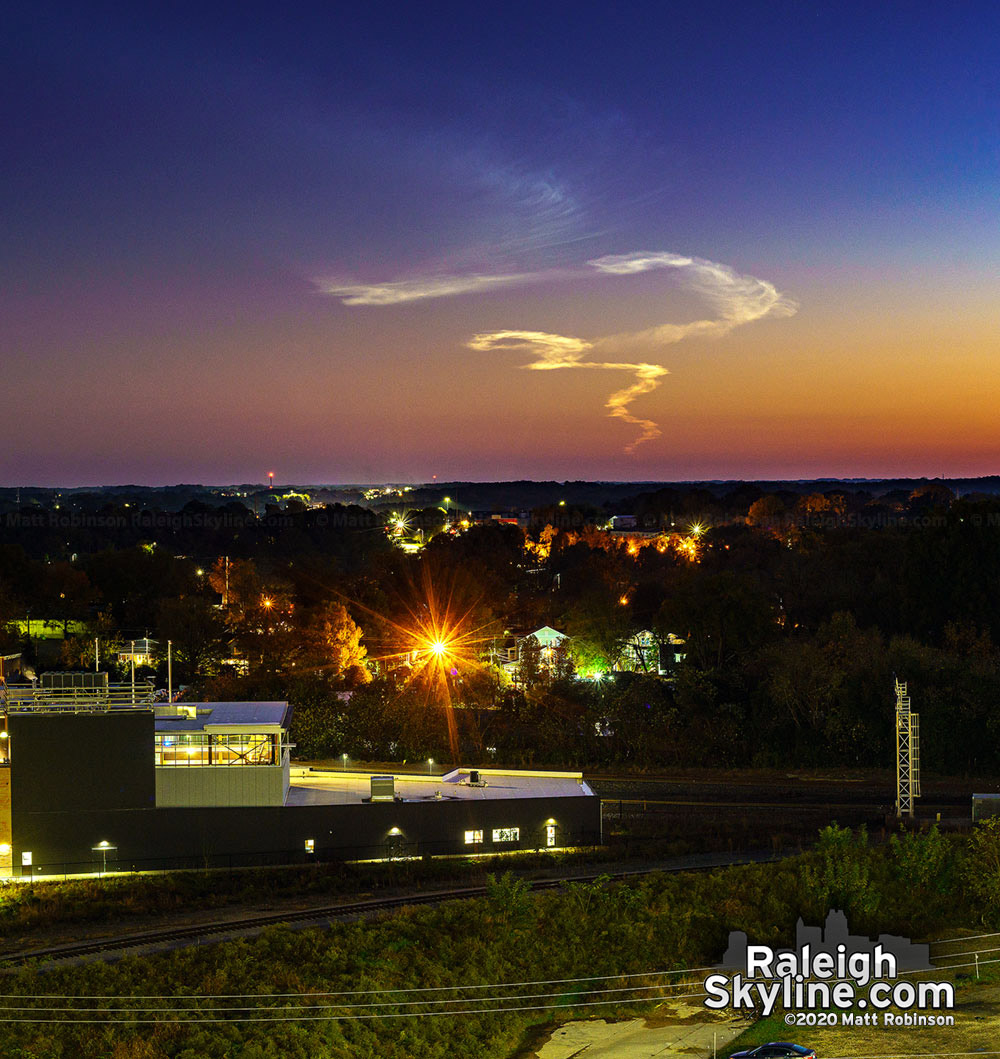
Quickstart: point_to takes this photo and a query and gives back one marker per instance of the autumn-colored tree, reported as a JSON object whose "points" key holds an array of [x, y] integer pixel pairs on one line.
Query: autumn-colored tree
{"points": [[769, 512], [237, 581], [542, 547], [332, 641], [813, 506]]}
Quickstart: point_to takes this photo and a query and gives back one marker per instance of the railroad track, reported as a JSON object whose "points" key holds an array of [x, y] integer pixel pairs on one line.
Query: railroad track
{"points": [[164, 939]]}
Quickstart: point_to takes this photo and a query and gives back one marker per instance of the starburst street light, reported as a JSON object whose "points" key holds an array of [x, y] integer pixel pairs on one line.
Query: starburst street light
{"points": [[438, 637], [399, 523]]}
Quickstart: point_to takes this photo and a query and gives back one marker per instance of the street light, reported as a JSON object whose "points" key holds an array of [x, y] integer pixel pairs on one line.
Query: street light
{"points": [[343, 757], [430, 766], [104, 848]]}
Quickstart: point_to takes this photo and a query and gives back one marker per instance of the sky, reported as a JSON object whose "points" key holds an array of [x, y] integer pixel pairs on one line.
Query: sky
{"points": [[366, 243]]}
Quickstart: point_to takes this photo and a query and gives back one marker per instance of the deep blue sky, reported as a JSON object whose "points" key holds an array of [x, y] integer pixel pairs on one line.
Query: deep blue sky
{"points": [[178, 178]]}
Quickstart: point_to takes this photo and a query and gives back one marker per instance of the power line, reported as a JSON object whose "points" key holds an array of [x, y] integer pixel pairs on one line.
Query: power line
{"points": [[342, 1007], [971, 952], [351, 1018], [967, 937], [360, 992]]}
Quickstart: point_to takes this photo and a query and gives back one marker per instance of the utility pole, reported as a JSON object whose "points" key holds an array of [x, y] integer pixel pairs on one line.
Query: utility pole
{"points": [[170, 673], [907, 753]]}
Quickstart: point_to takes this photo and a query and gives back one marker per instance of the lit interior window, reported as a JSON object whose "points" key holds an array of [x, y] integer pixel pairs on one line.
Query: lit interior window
{"points": [[472, 837], [506, 834], [550, 834]]}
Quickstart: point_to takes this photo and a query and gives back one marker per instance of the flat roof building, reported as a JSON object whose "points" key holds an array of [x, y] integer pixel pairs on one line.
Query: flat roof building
{"points": [[85, 787]]}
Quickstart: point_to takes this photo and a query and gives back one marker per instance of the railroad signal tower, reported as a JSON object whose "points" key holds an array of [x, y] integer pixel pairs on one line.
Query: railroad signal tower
{"points": [[907, 752]]}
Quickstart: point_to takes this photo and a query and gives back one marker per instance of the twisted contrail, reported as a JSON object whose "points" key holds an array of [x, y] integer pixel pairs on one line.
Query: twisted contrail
{"points": [[737, 300]]}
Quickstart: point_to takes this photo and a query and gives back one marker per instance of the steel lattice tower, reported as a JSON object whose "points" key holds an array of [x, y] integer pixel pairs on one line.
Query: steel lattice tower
{"points": [[907, 753]]}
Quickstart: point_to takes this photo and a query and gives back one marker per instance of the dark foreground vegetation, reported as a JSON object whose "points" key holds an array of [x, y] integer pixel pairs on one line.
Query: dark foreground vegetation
{"points": [[796, 611], [274, 996]]}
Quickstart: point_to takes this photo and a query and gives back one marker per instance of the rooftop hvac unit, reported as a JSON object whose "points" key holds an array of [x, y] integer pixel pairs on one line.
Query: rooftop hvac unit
{"points": [[475, 780], [383, 788], [80, 681]]}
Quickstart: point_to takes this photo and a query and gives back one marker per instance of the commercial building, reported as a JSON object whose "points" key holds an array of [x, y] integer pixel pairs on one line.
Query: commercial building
{"points": [[88, 786]]}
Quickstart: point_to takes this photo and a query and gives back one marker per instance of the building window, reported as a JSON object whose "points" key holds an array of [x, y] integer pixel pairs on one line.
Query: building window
{"points": [[310, 845], [550, 834], [472, 837], [201, 748], [506, 834]]}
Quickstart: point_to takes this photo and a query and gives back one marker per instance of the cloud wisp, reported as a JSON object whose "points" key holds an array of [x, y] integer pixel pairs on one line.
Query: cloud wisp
{"points": [[411, 290], [734, 298]]}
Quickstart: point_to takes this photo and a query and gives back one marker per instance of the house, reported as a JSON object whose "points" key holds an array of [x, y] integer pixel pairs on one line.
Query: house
{"points": [[140, 652], [550, 644], [646, 652]]}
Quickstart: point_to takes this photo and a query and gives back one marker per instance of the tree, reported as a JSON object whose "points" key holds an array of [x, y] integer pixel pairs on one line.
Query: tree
{"points": [[196, 632], [721, 616], [599, 624], [66, 593], [237, 582], [528, 670], [768, 512], [332, 641]]}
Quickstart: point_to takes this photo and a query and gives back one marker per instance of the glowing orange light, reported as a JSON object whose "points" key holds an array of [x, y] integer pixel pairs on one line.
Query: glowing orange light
{"points": [[437, 639], [267, 603]]}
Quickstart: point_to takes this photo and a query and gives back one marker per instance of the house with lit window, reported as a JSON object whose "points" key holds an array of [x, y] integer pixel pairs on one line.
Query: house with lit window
{"points": [[550, 644], [92, 786]]}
